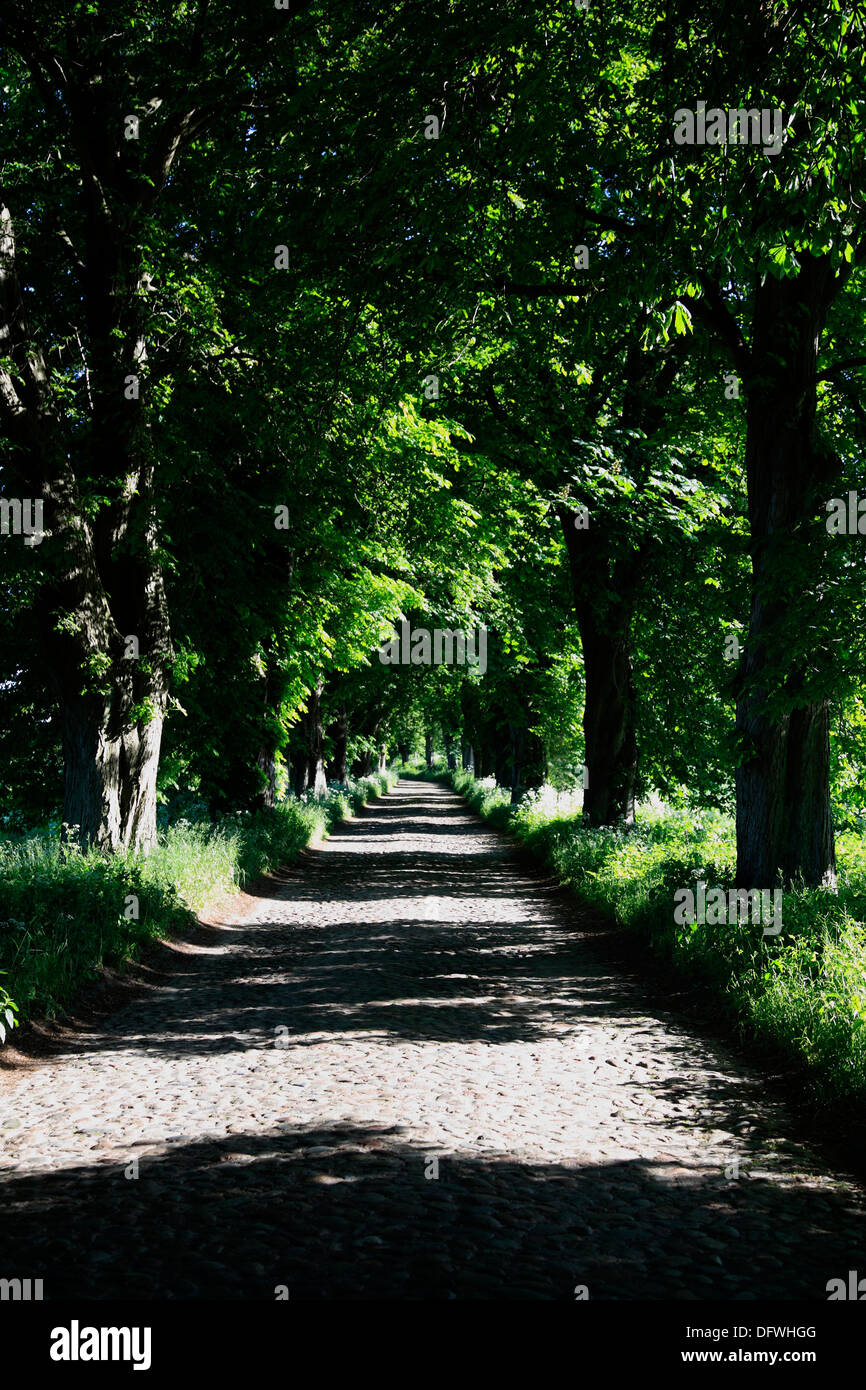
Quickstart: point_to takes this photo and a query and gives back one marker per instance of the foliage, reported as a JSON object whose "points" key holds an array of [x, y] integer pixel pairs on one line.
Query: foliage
{"points": [[67, 913], [803, 991], [476, 339]]}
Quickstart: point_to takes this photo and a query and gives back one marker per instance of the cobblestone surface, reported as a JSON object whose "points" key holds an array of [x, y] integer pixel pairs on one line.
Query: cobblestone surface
{"points": [[411, 1073]]}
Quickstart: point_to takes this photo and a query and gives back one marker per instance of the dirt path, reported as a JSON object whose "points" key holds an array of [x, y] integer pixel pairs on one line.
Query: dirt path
{"points": [[412, 1000]]}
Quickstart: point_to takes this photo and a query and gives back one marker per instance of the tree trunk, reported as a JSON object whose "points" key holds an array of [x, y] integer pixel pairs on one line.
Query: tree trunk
{"points": [[270, 736], [313, 735], [99, 573], [605, 580], [450, 757], [527, 760], [609, 706], [784, 826], [339, 732], [267, 764], [467, 757], [300, 770], [101, 610], [518, 738], [608, 726], [111, 671], [502, 763], [363, 765], [110, 763]]}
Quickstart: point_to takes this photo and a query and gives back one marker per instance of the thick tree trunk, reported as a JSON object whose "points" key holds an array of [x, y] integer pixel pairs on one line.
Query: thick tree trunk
{"points": [[101, 611], [110, 763], [313, 735], [101, 578], [784, 826], [467, 756], [609, 707], [112, 732], [363, 764], [428, 750], [605, 579], [608, 726], [111, 672], [316, 780]]}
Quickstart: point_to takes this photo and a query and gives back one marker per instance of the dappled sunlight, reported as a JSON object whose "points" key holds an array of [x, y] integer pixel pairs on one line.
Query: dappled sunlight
{"points": [[359, 1209], [419, 1075]]}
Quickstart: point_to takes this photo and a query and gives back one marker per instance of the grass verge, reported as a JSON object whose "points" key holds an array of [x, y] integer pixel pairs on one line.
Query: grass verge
{"points": [[66, 914]]}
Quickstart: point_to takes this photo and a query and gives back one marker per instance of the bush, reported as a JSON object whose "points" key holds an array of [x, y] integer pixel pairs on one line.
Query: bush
{"points": [[484, 796]]}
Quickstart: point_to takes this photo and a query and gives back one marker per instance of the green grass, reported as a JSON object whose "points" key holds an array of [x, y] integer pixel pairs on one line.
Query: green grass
{"points": [[803, 991], [488, 800], [67, 914], [418, 769]]}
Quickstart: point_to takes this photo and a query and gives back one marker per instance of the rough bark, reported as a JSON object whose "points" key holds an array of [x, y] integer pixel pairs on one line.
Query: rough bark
{"points": [[608, 725], [312, 734], [267, 765], [101, 580], [600, 565], [110, 764], [784, 826], [101, 612], [270, 738], [609, 709]]}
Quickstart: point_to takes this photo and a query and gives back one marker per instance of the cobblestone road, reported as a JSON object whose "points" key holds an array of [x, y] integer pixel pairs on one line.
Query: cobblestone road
{"points": [[409, 1073]]}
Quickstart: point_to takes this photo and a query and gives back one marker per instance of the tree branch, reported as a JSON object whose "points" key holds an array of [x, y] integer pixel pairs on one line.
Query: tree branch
{"points": [[831, 372], [713, 311]]}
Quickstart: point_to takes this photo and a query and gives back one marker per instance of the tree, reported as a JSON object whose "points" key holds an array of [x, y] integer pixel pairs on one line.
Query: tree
{"points": [[102, 116]]}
